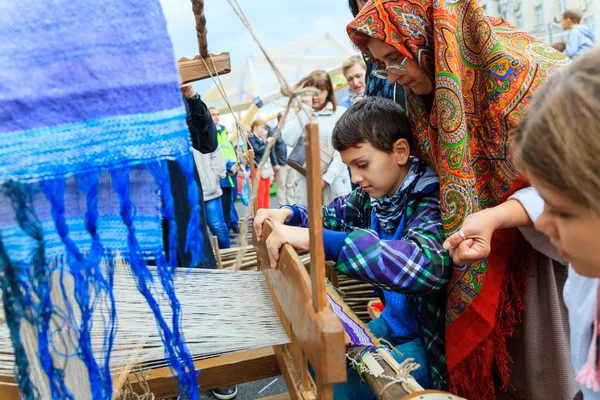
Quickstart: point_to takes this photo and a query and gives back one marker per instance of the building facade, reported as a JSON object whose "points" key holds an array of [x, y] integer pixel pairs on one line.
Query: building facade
{"points": [[541, 18]]}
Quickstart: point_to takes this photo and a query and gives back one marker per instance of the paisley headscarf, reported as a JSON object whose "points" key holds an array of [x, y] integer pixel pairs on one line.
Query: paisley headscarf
{"points": [[485, 74]]}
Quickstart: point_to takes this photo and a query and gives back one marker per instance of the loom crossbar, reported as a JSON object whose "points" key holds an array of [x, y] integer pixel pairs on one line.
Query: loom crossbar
{"points": [[196, 68], [225, 370]]}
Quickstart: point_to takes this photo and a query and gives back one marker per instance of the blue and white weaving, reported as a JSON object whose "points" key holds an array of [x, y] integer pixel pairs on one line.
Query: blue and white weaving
{"points": [[90, 112]]}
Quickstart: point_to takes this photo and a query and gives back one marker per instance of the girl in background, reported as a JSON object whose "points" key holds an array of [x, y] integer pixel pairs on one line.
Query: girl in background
{"points": [[258, 142], [336, 178]]}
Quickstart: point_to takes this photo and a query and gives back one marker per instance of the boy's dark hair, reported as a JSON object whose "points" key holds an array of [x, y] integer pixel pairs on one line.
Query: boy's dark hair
{"points": [[376, 120], [574, 14]]}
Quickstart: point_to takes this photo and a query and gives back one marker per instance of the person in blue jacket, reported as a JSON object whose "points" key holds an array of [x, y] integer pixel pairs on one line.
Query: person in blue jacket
{"points": [[581, 38]]}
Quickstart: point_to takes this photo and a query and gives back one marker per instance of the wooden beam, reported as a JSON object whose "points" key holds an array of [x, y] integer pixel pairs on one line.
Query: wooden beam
{"points": [[320, 334], [195, 69], [226, 370], [215, 241], [379, 386], [315, 216], [432, 395], [289, 373], [282, 396], [8, 389]]}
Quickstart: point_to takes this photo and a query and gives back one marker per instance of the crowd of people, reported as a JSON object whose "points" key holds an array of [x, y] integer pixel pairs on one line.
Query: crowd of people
{"points": [[462, 181]]}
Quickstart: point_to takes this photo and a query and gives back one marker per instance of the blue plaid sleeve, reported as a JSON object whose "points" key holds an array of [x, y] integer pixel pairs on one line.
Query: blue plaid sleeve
{"points": [[417, 264], [342, 215]]}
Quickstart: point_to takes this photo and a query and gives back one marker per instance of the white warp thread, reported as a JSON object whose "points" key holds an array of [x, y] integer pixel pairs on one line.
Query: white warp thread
{"points": [[222, 312]]}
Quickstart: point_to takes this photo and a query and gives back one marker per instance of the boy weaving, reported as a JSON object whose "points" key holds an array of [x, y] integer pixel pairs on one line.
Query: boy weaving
{"points": [[387, 232]]}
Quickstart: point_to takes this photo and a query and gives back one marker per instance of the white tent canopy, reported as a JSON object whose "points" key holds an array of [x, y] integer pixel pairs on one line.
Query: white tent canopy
{"points": [[254, 77]]}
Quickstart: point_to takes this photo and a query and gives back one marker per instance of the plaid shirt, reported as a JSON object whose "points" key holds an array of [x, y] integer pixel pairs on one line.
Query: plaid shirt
{"points": [[416, 265]]}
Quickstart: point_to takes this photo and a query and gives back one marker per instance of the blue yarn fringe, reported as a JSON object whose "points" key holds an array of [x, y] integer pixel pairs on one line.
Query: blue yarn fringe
{"points": [[176, 351], [86, 285], [194, 242], [14, 309], [26, 289]]}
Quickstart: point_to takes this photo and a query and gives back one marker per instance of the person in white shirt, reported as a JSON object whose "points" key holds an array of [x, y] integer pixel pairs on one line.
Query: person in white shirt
{"points": [[322, 105]]}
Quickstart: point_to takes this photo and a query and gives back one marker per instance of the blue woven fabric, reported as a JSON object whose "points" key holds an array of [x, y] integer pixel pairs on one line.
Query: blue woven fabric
{"points": [[90, 110]]}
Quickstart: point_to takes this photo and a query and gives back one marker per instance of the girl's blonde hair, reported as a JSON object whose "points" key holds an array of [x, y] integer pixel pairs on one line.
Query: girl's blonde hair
{"points": [[351, 62], [559, 137]]}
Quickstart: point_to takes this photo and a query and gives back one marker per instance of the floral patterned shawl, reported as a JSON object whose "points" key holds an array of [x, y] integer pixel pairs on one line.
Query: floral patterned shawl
{"points": [[486, 72]]}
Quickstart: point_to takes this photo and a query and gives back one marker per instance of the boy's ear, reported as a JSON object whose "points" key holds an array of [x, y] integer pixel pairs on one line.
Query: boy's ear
{"points": [[401, 151]]}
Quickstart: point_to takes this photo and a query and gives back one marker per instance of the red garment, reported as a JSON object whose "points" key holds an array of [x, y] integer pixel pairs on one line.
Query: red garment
{"points": [[264, 192]]}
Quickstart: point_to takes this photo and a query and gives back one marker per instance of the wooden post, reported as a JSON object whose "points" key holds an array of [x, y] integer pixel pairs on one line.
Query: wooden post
{"points": [[315, 217], [217, 252]]}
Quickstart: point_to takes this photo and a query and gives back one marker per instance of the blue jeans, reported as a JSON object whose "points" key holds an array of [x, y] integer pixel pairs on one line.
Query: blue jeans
{"points": [[356, 388], [234, 220], [216, 222]]}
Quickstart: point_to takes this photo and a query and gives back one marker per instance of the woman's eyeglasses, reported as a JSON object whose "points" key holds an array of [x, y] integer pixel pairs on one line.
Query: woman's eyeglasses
{"points": [[392, 69]]}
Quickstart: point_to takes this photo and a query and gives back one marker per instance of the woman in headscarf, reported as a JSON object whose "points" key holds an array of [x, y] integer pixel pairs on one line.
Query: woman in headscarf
{"points": [[468, 80]]}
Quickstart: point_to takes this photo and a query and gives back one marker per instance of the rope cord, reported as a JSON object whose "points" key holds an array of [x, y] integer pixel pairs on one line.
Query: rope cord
{"points": [[198, 8], [244, 131]]}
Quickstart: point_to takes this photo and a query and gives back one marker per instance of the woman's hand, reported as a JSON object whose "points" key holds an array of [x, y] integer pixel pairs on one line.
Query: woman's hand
{"points": [[307, 100], [477, 229], [357, 99], [282, 234], [475, 242], [277, 216]]}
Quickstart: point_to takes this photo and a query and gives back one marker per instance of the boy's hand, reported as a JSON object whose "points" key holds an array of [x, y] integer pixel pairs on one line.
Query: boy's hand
{"points": [[282, 234], [277, 216]]}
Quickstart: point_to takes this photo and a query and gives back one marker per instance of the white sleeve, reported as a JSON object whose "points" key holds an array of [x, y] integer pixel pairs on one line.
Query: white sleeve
{"points": [[533, 204], [294, 125], [217, 163], [334, 169]]}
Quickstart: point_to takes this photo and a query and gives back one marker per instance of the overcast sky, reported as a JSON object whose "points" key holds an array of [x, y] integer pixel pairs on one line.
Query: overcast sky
{"points": [[276, 22]]}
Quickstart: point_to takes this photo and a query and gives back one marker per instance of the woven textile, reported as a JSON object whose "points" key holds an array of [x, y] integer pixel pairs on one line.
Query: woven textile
{"points": [[90, 111], [485, 73], [356, 331]]}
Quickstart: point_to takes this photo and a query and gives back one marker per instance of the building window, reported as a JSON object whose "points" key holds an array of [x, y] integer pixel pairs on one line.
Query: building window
{"points": [[590, 21], [539, 14], [562, 6], [520, 21]]}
